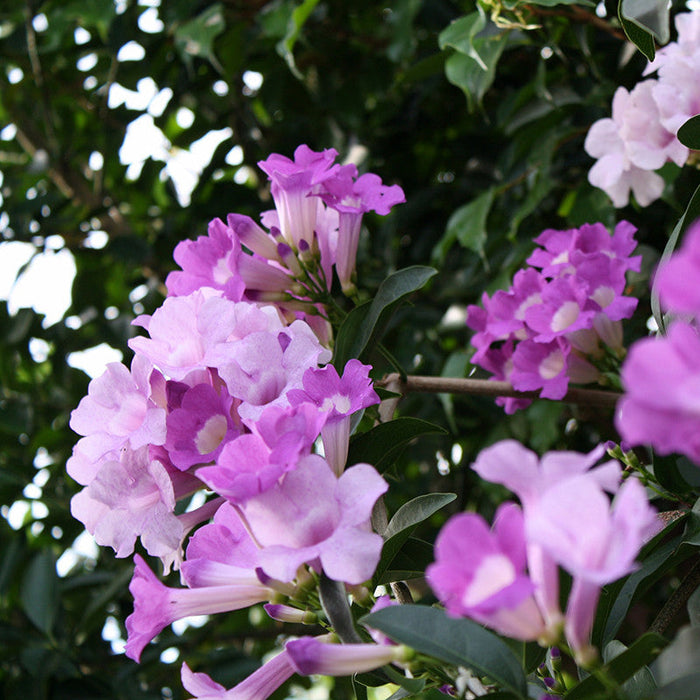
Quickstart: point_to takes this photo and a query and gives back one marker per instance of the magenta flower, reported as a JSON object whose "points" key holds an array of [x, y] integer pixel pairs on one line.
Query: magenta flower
{"points": [[661, 379], [312, 517], [200, 427], [292, 182], [673, 280], [480, 573], [351, 197], [311, 656], [209, 261], [339, 398], [259, 685], [156, 606]]}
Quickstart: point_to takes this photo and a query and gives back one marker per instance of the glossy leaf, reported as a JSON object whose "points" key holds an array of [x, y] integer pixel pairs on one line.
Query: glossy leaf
{"points": [[638, 35], [622, 667], [40, 591], [458, 642], [689, 133], [366, 323], [650, 15], [383, 443]]}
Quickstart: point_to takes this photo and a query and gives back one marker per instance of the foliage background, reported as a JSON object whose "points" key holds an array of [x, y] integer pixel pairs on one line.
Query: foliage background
{"points": [[482, 177]]}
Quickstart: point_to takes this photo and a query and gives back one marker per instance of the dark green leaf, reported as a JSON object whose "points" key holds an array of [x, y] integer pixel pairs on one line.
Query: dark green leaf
{"points": [[365, 324], [622, 667], [693, 606], [552, 3], [459, 642], [689, 133], [405, 521], [335, 604], [641, 684], [410, 562], [467, 225], [196, 37], [381, 445], [416, 511], [40, 591]]}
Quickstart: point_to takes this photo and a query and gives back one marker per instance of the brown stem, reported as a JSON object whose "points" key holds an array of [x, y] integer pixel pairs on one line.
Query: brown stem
{"points": [[678, 599], [486, 387], [578, 14]]}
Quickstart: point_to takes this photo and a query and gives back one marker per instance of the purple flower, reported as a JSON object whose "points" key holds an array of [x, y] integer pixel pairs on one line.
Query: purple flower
{"points": [[210, 261], [292, 183], [156, 606], [200, 427], [480, 573], [313, 517], [673, 280], [661, 379], [259, 685], [311, 656], [338, 398], [351, 197]]}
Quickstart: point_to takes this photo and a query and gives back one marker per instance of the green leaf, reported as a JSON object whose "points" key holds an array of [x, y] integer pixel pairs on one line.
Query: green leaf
{"points": [[335, 604], [693, 606], [689, 133], [405, 521], [680, 689], [641, 38], [458, 642], [467, 225], [410, 562], [196, 37], [40, 592], [649, 15], [297, 19], [641, 684], [622, 667], [460, 35], [365, 324], [681, 658], [381, 445], [416, 511], [469, 75]]}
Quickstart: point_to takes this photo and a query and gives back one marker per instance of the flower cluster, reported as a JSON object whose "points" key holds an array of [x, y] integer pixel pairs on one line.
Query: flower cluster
{"points": [[641, 135], [314, 228], [231, 397], [507, 577], [661, 376], [561, 317]]}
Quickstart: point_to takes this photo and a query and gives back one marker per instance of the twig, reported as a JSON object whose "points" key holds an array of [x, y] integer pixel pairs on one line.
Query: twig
{"points": [[486, 387]]}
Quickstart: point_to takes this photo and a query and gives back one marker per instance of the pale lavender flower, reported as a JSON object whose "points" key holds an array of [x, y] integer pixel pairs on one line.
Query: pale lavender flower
{"points": [[312, 517]]}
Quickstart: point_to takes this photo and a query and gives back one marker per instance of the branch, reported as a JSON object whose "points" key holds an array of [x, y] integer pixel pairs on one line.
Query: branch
{"points": [[678, 599], [487, 387]]}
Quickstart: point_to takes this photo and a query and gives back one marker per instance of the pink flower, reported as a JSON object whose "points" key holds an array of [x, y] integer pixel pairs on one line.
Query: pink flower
{"points": [[339, 398], [129, 498], [673, 280], [156, 606], [259, 685], [480, 573], [313, 517], [661, 379]]}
